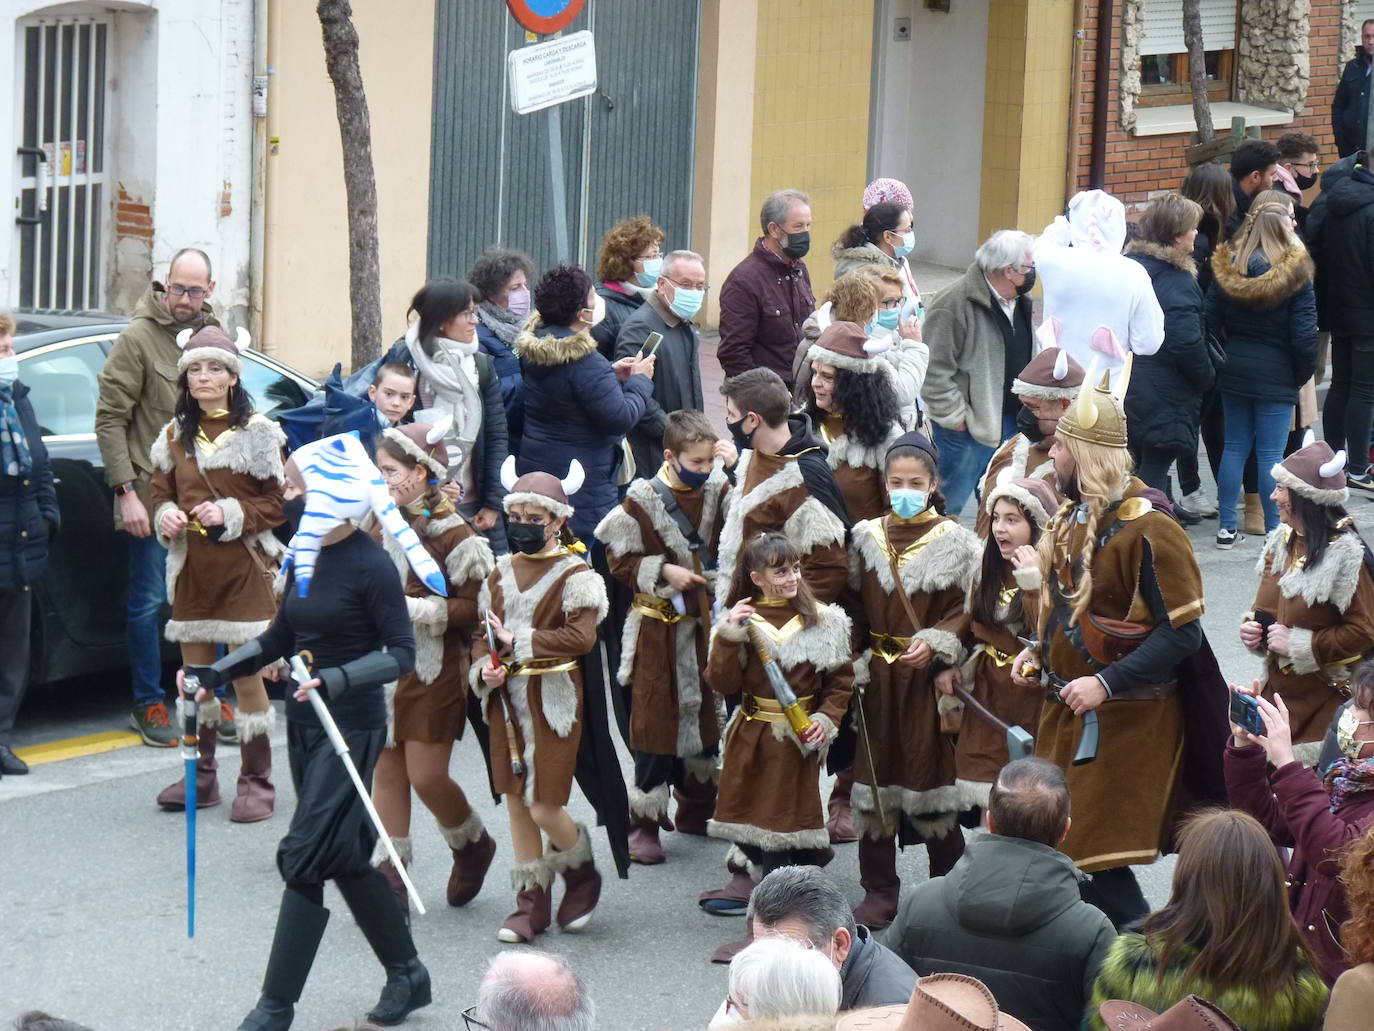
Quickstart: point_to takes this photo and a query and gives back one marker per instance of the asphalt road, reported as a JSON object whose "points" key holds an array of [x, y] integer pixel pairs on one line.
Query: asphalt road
{"points": [[92, 891]]}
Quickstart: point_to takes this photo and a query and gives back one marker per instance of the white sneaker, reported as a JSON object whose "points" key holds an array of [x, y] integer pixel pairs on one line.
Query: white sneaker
{"points": [[1200, 504], [1228, 539]]}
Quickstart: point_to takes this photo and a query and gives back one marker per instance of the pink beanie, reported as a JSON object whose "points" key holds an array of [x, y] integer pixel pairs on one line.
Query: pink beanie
{"points": [[893, 190]]}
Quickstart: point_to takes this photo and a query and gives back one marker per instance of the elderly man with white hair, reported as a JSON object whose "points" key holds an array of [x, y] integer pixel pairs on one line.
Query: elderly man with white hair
{"points": [[530, 990], [780, 979], [980, 337], [1104, 301]]}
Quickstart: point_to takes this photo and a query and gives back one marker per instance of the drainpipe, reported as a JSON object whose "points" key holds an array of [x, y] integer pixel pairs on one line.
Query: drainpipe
{"points": [[1097, 175], [257, 223], [1075, 101]]}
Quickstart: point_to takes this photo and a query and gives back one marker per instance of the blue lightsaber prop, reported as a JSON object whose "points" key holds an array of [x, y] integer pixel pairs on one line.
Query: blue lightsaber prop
{"points": [[190, 742]]}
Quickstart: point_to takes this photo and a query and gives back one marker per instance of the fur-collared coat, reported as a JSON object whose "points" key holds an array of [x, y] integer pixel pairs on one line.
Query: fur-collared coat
{"points": [[858, 469], [1027, 461], [552, 603], [912, 769], [1267, 321], [575, 407], [220, 586], [771, 494], [770, 796], [430, 703], [1330, 610], [662, 662]]}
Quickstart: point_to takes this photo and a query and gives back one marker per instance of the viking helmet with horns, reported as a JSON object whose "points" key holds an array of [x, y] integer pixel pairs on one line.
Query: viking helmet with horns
{"points": [[1099, 416], [545, 490]]}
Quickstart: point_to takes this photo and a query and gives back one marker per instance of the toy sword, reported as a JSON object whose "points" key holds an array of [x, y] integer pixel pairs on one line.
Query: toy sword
{"points": [[517, 764], [190, 753], [1087, 741], [797, 717]]}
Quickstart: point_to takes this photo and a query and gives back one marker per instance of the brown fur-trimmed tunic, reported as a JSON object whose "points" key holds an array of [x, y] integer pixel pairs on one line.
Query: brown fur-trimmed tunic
{"points": [[769, 794], [1331, 612], [662, 662], [218, 591], [914, 761], [430, 703], [1028, 462], [552, 603], [858, 469]]}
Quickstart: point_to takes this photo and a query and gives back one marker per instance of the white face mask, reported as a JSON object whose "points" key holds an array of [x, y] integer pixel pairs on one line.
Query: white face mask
{"points": [[9, 371], [1349, 723]]}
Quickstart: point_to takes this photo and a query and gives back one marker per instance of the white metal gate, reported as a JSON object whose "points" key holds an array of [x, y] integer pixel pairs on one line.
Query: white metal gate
{"points": [[61, 205]]}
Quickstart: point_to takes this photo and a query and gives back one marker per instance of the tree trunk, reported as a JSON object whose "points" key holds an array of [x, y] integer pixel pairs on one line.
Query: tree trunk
{"points": [[360, 182], [1197, 69]]}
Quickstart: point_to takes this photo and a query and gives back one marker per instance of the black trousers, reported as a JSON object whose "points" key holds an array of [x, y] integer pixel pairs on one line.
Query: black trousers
{"points": [[16, 608], [1152, 466], [1349, 410], [770, 859], [1117, 893], [652, 770]]}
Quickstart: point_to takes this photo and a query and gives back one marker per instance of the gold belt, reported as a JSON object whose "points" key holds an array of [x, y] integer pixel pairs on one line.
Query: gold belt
{"points": [[769, 710], [654, 607], [998, 658], [883, 645], [1328, 669], [539, 667]]}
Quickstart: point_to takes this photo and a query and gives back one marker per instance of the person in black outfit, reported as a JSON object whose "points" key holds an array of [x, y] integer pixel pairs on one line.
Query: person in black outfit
{"points": [[346, 609], [1254, 163], [1350, 105]]}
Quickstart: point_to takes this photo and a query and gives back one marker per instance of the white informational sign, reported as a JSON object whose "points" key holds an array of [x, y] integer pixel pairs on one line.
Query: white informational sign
{"points": [[551, 73]]}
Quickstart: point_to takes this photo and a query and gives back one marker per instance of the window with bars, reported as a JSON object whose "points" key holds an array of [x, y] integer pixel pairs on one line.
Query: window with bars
{"points": [[1164, 76]]}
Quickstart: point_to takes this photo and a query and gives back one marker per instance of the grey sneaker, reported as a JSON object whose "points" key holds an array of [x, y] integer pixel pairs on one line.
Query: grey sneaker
{"points": [[154, 725], [1228, 539], [227, 729], [1199, 504]]}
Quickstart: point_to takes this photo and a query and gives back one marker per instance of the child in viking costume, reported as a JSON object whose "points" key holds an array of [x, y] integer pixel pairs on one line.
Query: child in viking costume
{"points": [[343, 611], [788, 659], [661, 543], [1313, 617], [1120, 644], [542, 605], [997, 614], [217, 494], [428, 707], [910, 568], [1045, 389], [852, 403]]}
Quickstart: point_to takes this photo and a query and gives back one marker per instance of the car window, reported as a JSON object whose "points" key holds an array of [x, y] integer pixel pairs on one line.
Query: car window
{"points": [[272, 391], [63, 388]]}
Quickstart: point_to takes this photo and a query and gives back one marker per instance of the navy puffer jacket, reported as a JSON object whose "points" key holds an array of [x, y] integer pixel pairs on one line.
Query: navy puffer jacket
{"points": [[28, 507], [1267, 321], [576, 407]]}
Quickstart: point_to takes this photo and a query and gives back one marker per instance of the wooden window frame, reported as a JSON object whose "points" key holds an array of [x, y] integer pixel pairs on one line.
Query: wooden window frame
{"points": [[1180, 91]]}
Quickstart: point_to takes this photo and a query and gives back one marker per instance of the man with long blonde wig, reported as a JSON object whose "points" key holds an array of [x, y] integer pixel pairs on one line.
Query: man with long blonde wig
{"points": [[1120, 599]]}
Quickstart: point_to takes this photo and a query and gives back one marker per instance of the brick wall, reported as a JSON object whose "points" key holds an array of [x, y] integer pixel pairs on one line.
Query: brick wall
{"points": [[133, 218], [1138, 166]]}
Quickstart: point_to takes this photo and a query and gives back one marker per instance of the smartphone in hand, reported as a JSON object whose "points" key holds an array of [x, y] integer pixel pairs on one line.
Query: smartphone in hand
{"points": [[1245, 713], [650, 344]]}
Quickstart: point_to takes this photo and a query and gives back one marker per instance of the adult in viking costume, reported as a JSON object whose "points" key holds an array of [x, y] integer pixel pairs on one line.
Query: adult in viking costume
{"points": [[1119, 619], [910, 569], [1313, 617]]}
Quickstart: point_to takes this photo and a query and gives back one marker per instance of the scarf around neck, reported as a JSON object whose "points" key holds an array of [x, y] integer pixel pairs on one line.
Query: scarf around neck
{"points": [[1346, 777], [503, 323], [451, 376], [15, 457]]}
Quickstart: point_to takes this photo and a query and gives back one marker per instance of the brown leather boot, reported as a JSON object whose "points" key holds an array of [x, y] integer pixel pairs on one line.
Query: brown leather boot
{"points": [[882, 887], [382, 859], [173, 797], [696, 803], [840, 822], [733, 899], [725, 953], [532, 902], [644, 844], [945, 851], [473, 850], [256, 797], [581, 882]]}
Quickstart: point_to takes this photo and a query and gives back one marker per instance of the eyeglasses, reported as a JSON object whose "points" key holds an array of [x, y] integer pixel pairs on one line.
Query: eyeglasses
{"points": [[688, 286], [896, 302], [196, 293], [1023, 270], [470, 1020], [655, 253], [470, 314], [1311, 166]]}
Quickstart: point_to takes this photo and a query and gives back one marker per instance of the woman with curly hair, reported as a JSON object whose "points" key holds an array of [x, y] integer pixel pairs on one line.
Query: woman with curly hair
{"points": [[627, 266], [1352, 997], [1225, 934], [502, 278], [855, 411]]}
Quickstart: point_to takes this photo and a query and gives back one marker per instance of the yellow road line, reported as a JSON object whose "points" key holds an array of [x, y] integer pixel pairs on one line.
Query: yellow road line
{"points": [[74, 747]]}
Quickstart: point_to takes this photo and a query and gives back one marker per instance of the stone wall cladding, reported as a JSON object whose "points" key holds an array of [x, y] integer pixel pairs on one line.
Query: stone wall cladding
{"points": [[1272, 68]]}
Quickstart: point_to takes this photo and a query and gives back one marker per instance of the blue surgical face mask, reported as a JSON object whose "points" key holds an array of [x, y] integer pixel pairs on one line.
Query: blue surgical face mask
{"points": [[888, 317], [686, 303], [904, 248], [871, 326], [652, 267], [908, 503], [9, 371]]}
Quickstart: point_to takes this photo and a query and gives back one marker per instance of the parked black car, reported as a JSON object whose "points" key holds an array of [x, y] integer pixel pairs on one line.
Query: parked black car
{"points": [[78, 624]]}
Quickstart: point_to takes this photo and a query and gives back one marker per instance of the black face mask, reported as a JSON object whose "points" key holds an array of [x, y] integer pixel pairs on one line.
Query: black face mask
{"points": [[1028, 285], [526, 538], [1304, 181], [743, 441], [1029, 426], [797, 245]]}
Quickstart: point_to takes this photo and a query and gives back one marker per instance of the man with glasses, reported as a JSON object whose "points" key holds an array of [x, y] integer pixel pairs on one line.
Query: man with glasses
{"points": [[530, 990], [138, 392], [676, 299], [1297, 169]]}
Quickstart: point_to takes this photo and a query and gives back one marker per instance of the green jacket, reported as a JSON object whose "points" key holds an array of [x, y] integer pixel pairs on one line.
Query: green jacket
{"points": [[138, 390], [1131, 973]]}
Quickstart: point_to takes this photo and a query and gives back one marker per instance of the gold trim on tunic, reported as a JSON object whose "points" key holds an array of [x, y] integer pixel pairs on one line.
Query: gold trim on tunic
{"points": [[777, 635], [541, 667], [769, 710], [998, 658], [878, 529], [654, 607], [884, 645]]}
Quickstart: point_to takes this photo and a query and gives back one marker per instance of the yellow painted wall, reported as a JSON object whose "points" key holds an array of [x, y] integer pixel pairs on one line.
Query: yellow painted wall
{"points": [[811, 114], [1025, 120], [305, 303]]}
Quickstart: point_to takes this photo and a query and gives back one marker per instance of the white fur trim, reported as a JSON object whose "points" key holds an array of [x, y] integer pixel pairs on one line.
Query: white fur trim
{"points": [[620, 531], [1022, 497], [256, 724], [214, 631], [471, 559], [160, 454], [1028, 579], [535, 874], [208, 713], [548, 504], [1334, 580], [649, 805], [416, 453], [389, 700], [949, 560], [403, 848], [831, 731], [1300, 651], [737, 862], [522, 647], [973, 793], [1284, 478], [741, 504], [846, 451], [464, 834], [944, 644], [769, 841], [812, 526], [1308, 753], [167, 542], [585, 590], [559, 695], [825, 645], [579, 855], [817, 353], [223, 355], [938, 805], [233, 518], [704, 769], [430, 612], [650, 570], [731, 631], [1021, 388]]}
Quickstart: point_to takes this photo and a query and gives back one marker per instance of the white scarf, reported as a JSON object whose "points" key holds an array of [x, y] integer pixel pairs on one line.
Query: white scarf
{"points": [[451, 377]]}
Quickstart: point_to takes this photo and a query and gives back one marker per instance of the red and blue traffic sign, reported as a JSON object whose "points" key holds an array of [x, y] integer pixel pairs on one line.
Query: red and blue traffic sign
{"points": [[545, 16]]}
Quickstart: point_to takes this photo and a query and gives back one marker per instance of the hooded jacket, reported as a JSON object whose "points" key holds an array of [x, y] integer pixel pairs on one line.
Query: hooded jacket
{"points": [[1267, 321], [1009, 914], [620, 305], [873, 975], [575, 407], [138, 390], [29, 517], [847, 259], [1350, 104], [677, 375], [1343, 244], [1166, 388]]}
